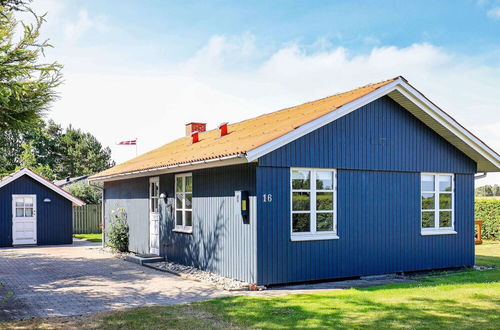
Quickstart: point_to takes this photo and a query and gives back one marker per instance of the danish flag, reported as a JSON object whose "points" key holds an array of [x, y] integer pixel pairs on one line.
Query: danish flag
{"points": [[128, 143]]}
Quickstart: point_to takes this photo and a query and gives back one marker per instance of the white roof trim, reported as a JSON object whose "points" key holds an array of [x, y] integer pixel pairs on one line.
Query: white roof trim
{"points": [[415, 97], [191, 166], [321, 121], [43, 181]]}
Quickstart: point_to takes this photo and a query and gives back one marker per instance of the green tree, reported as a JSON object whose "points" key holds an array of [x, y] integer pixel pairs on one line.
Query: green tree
{"points": [[496, 190], [82, 154], [88, 194], [28, 160], [27, 86], [69, 152], [484, 191]]}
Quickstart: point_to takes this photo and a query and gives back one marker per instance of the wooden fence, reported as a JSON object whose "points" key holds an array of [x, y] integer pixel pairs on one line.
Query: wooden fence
{"points": [[87, 219]]}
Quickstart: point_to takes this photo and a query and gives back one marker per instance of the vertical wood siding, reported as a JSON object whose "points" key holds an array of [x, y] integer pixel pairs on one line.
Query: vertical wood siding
{"points": [[87, 219], [379, 151], [221, 242], [379, 136], [378, 225], [54, 219], [132, 195]]}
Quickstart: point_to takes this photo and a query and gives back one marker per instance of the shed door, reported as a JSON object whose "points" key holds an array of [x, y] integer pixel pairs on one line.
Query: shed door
{"points": [[154, 216], [23, 219]]}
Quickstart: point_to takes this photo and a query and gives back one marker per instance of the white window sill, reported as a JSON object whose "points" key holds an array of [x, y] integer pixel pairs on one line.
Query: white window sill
{"points": [[182, 231], [313, 237], [438, 232]]}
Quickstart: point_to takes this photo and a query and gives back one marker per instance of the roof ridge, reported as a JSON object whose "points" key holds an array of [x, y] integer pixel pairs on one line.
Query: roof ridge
{"points": [[320, 99]]}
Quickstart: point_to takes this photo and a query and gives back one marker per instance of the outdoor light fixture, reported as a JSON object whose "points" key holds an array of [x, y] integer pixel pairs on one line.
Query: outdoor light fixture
{"points": [[163, 195], [47, 200]]}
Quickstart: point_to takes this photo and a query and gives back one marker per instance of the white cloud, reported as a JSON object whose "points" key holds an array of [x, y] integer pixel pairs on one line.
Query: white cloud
{"points": [[75, 30], [494, 13], [53, 9], [228, 80]]}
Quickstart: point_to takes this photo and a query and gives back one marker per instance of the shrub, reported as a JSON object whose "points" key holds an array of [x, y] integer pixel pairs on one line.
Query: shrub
{"points": [[87, 193], [488, 211], [118, 231]]}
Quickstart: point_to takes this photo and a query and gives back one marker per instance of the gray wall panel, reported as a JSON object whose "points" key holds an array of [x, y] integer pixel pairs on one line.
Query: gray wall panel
{"points": [[221, 242], [132, 195]]}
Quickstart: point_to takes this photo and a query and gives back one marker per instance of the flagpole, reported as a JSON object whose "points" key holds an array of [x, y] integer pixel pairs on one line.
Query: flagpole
{"points": [[135, 147]]}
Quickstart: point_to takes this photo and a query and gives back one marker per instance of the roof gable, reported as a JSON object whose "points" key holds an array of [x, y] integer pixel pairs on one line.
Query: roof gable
{"points": [[25, 171], [253, 138], [380, 136]]}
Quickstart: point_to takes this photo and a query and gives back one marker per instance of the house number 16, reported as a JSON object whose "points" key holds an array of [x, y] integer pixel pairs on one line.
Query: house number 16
{"points": [[268, 198]]}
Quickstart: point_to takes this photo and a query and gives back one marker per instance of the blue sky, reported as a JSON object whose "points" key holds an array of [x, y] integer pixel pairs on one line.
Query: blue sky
{"points": [[144, 68]]}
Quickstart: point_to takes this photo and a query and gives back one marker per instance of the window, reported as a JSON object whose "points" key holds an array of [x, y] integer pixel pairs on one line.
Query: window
{"points": [[437, 203], [184, 202], [313, 203], [24, 207], [154, 194]]}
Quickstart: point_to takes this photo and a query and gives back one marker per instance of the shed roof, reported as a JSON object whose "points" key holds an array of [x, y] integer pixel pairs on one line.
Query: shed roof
{"points": [[25, 171], [252, 138]]}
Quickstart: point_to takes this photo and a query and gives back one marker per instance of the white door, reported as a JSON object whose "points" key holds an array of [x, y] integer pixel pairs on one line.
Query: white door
{"points": [[154, 216], [23, 219]]}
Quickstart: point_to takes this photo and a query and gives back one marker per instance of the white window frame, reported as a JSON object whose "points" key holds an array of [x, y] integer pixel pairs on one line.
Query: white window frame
{"points": [[313, 234], [155, 198], [436, 230], [183, 228]]}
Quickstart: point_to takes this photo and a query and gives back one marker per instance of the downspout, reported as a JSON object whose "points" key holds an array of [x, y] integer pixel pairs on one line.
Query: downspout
{"points": [[480, 176], [102, 211]]}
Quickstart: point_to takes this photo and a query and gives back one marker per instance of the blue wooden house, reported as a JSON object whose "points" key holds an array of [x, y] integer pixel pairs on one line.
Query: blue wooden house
{"points": [[34, 211], [372, 181]]}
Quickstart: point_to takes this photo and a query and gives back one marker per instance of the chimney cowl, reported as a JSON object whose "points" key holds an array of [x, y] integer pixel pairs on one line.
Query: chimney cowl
{"points": [[195, 127], [195, 137], [223, 129]]}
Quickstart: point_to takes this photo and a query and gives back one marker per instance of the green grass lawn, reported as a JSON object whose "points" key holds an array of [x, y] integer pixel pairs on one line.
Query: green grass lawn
{"points": [[459, 300], [90, 237]]}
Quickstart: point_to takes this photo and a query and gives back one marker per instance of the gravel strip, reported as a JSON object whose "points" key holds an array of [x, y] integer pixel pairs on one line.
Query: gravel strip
{"points": [[196, 274]]}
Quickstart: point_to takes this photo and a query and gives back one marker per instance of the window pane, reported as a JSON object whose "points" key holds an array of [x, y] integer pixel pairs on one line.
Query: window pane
{"points": [[428, 219], [189, 201], [301, 201], [427, 182], [324, 180], [19, 202], [427, 201], [178, 218], [151, 189], [189, 221], [157, 189], [301, 179], [445, 201], [301, 222], [19, 212], [445, 219], [178, 184], [28, 212], [28, 201], [445, 183], [178, 200], [189, 183], [324, 222], [324, 201]]}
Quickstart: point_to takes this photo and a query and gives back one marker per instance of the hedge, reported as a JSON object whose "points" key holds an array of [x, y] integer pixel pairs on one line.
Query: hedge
{"points": [[488, 210]]}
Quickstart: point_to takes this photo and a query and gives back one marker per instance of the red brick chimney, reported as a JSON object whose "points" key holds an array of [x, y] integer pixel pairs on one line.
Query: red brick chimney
{"points": [[195, 127]]}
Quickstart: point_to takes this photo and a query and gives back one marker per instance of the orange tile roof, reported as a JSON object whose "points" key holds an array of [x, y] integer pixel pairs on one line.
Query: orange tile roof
{"points": [[242, 137]]}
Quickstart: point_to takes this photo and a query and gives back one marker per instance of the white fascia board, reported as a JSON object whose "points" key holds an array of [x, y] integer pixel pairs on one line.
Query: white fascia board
{"points": [[409, 92], [209, 163], [321, 121], [449, 123], [43, 181]]}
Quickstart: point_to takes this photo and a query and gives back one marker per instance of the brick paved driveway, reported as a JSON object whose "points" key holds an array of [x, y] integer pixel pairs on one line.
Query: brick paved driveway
{"points": [[80, 279]]}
